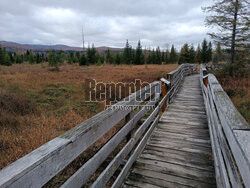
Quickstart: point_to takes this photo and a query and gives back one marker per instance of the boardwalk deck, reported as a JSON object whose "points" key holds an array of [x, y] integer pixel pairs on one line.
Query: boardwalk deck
{"points": [[179, 152]]}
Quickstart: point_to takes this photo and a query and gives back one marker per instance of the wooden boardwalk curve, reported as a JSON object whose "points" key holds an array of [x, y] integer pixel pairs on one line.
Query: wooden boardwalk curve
{"points": [[179, 152], [201, 140]]}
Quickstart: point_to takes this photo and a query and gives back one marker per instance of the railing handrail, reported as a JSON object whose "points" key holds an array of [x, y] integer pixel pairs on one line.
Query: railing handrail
{"points": [[38, 167], [229, 133]]}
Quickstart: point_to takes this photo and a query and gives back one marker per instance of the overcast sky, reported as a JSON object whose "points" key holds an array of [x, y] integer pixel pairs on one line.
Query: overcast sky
{"points": [[105, 22]]}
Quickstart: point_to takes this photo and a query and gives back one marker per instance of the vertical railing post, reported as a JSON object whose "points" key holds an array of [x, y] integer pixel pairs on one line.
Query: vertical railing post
{"points": [[127, 119], [205, 80], [165, 86], [164, 93]]}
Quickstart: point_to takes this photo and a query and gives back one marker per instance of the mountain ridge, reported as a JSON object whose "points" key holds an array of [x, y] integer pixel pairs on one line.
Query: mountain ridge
{"points": [[19, 47]]}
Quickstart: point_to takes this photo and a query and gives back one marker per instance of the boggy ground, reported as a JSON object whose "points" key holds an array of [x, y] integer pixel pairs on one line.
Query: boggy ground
{"points": [[37, 104]]}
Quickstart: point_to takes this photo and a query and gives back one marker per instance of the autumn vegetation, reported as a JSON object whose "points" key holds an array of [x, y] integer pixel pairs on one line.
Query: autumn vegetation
{"points": [[37, 104]]}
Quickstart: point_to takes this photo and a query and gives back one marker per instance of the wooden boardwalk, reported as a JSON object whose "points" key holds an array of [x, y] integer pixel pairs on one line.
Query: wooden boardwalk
{"points": [[179, 152], [190, 145]]}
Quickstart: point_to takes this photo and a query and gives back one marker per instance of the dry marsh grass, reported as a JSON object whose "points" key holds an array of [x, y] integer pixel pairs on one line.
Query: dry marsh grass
{"points": [[238, 89], [37, 105]]}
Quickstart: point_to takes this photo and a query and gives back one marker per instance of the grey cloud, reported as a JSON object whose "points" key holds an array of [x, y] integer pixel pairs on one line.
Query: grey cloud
{"points": [[105, 22]]}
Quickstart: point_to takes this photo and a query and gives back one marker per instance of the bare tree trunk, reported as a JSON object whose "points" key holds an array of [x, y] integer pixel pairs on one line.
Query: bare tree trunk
{"points": [[236, 7]]}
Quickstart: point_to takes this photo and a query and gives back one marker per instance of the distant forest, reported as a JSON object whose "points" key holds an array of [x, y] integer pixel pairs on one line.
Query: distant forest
{"points": [[204, 53]]}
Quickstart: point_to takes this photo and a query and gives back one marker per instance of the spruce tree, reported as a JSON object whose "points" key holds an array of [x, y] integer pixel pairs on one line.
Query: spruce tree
{"points": [[118, 59], [209, 52], [184, 54], [61, 57], [158, 55], [198, 58], [12, 59], [91, 55], [19, 59], [167, 57], [31, 57], [204, 52], [77, 55], [83, 60], [153, 58], [109, 58], [2, 55], [53, 60], [7, 60], [38, 58], [191, 54], [139, 57], [127, 54], [218, 54], [173, 55], [69, 57]]}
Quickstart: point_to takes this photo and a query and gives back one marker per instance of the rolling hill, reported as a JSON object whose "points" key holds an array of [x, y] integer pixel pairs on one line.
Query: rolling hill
{"points": [[17, 47]]}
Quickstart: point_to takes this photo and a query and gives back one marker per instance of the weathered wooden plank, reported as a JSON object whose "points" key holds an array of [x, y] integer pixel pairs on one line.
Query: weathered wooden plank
{"points": [[170, 135], [183, 142], [176, 169], [221, 174], [119, 180], [229, 161], [201, 132], [131, 183], [225, 105], [138, 177], [83, 174], [169, 177], [166, 151], [115, 163], [185, 115], [22, 170], [231, 120], [178, 159]]}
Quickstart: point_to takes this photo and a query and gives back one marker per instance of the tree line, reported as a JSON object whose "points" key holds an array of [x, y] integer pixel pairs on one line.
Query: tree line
{"points": [[129, 56]]}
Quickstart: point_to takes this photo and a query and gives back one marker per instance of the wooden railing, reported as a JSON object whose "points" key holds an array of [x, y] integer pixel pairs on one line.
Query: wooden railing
{"points": [[40, 166], [212, 67], [229, 133]]}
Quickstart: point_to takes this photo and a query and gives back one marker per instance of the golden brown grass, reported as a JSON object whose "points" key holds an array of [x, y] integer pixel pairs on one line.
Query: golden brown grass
{"points": [[57, 99], [238, 89]]}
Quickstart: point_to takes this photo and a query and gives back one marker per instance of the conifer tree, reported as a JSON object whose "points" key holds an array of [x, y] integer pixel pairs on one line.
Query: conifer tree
{"points": [[167, 57], [12, 60], [184, 54], [209, 52], [53, 60], [127, 54], [118, 59], [218, 54], [139, 57], [70, 57], [61, 56], [2, 55], [173, 55], [109, 57], [158, 55], [152, 58], [191, 54], [83, 60], [231, 18], [7, 60], [77, 55], [31, 57], [91, 55], [19, 59], [198, 58], [38, 58], [204, 52]]}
